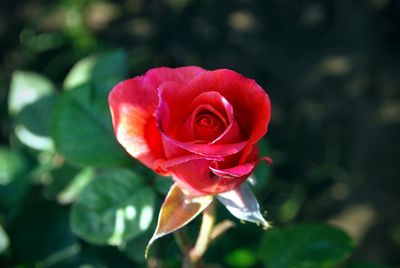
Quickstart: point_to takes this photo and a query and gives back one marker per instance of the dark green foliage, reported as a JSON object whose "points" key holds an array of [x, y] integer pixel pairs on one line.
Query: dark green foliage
{"points": [[70, 196], [305, 246]]}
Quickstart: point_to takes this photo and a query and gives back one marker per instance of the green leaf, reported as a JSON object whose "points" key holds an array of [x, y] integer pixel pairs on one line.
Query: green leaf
{"points": [[26, 88], [75, 187], [178, 210], [30, 103], [135, 247], [305, 246], [241, 258], [12, 165], [82, 130], [13, 177], [3, 240], [115, 207], [98, 68], [55, 178], [163, 184]]}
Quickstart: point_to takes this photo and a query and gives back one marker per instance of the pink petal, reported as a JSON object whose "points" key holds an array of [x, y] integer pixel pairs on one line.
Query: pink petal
{"points": [[214, 98], [251, 104], [239, 171], [235, 172], [209, 150], [166, 164], [171, 114], [196, 178], [155, 77], [187, 132], [132, 106], [133, 103]]}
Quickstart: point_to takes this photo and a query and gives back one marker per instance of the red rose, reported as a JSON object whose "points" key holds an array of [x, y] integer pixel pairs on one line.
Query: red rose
{"points": [[201, 127]]}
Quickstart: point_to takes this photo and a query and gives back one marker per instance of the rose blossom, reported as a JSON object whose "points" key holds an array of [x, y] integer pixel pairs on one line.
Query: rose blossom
{"points": [[199, 126]]}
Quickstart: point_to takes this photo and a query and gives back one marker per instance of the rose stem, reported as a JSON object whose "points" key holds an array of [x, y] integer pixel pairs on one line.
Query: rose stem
{"points": [[184, 244], [203, 239]]}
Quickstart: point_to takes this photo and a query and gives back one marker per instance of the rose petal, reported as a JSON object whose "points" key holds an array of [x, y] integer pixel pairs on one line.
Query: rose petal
{"points": [[240, 170], [132, 106], [167, 113], [166, 164], [208, 124], [177, 210], [242, 203], [216, 100], [235, 172], [133, 103], [209, 150], [155, 77], [188, 130], [196, 178], [174, 109], [251, 104]]}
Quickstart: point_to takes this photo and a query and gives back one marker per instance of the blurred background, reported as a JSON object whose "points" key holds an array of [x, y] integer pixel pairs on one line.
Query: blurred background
{"points": [[331, 68]]}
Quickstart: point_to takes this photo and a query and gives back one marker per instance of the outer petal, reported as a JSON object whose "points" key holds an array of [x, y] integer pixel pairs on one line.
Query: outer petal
{"points": [[239, 171], [155, 77], [196, 178], [133, 103]]}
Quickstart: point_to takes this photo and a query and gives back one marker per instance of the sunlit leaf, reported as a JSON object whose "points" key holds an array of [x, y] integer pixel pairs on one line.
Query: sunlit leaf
{"points": [[76, 185], [30, 103], [305, 246], [108, 67], [57, 180], [3, 240], [242, 203], [25, 89], [82, 130], [115, 207], [178, 210]]}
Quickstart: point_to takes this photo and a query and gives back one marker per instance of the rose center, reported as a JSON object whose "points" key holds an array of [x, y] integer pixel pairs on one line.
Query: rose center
{"points": [[208, 126], [207, 120]]}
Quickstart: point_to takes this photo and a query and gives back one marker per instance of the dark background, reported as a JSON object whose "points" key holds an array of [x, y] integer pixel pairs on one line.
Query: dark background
{"points": [[331, 68]]}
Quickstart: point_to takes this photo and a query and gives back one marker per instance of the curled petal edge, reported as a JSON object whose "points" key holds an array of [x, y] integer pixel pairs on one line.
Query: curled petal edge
{"points": [[241, 170]]}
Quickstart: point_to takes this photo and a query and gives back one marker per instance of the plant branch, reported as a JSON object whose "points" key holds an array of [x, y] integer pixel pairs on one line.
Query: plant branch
{"points": [[184, 244], [203, 239]]}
